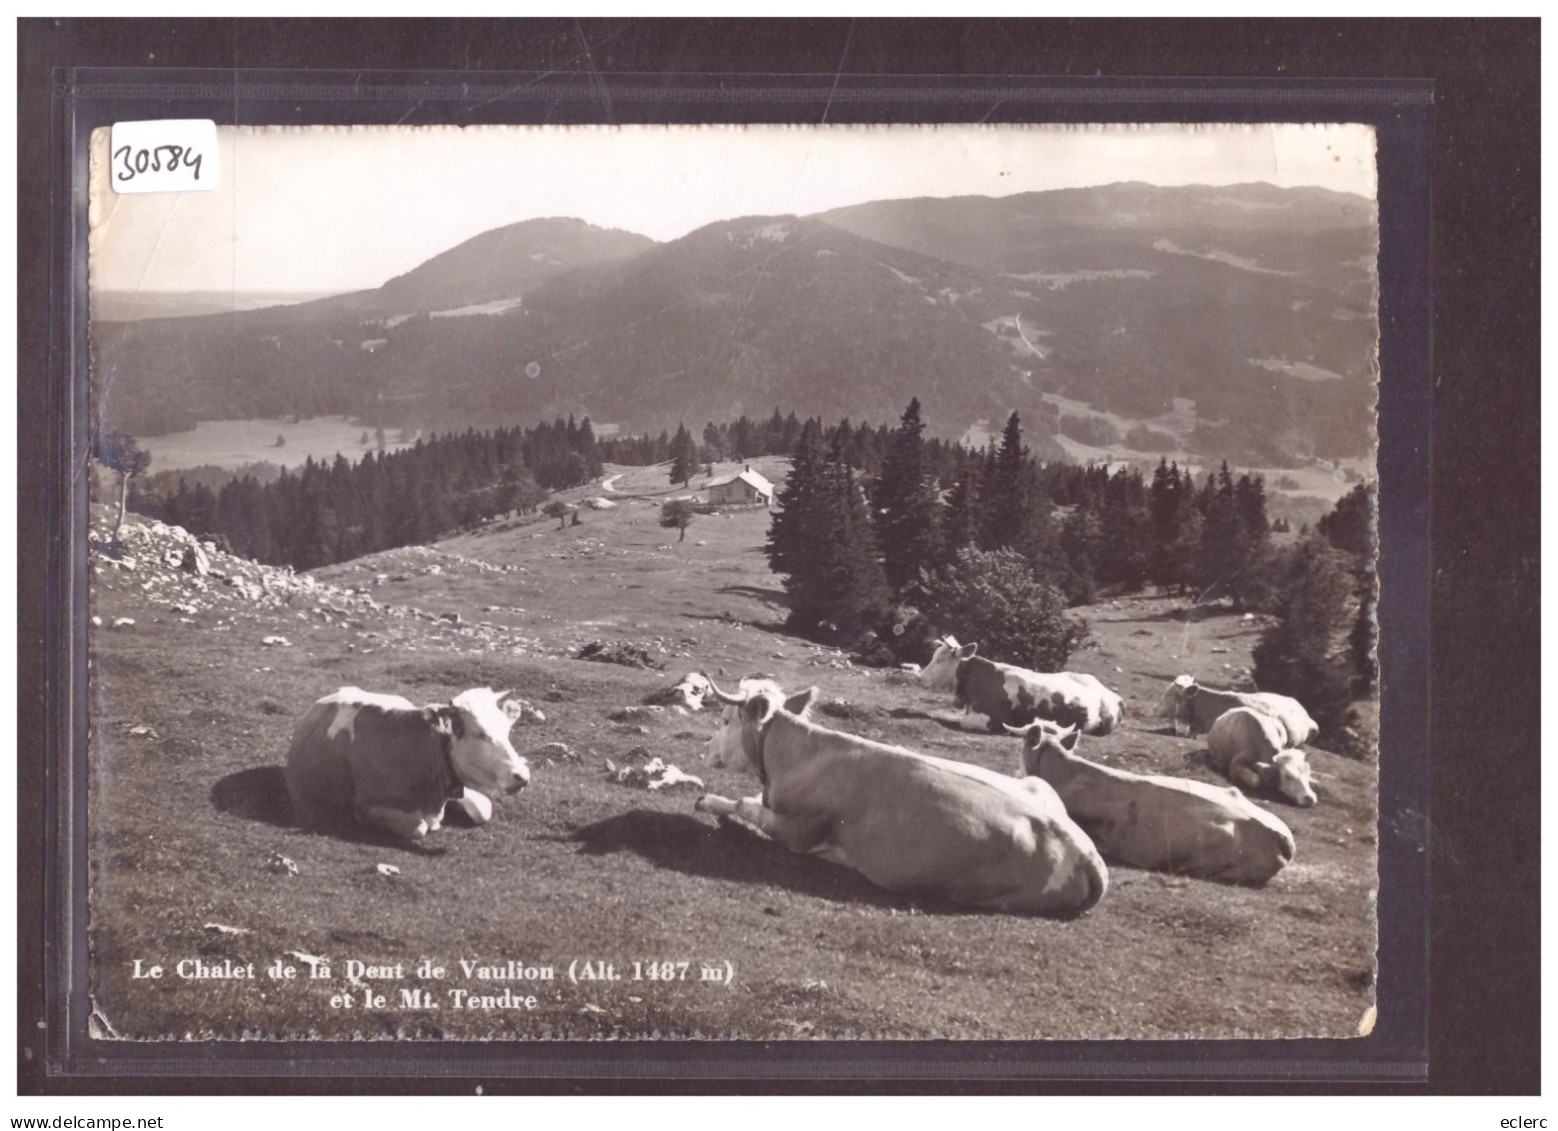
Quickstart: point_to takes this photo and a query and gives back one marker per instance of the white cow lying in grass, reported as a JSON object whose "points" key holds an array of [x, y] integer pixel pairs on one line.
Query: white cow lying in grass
{"points": [[906, 821], [1167, 824], [391, 764], [1251, 749], [1193, 709]]}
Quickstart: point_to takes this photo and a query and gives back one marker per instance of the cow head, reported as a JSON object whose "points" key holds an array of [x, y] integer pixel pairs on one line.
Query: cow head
{"points": [[744, 715], [1293, 778], [1175, 704], [479, 741], [1042, 737], [942, 671]]}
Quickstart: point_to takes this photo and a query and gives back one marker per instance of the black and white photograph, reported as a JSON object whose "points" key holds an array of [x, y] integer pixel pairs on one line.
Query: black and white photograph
{"points": [[726, 582]]}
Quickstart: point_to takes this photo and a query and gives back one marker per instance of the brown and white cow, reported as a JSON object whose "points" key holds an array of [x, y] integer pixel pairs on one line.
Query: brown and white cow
{"points": [[906, 821], [1166, 824], [1194, 709], [1250, 748], [389, 763], [1011, 696]]}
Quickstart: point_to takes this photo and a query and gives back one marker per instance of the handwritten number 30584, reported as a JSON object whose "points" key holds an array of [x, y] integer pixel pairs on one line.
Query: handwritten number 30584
{"points": [[154, 160]]}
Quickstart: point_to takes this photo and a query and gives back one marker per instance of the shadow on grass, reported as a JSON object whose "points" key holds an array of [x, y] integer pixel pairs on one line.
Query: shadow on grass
{"points": [[955, 725], [731, 851], [777, 628], [775, 597], [260, 794], [1180, 614]]}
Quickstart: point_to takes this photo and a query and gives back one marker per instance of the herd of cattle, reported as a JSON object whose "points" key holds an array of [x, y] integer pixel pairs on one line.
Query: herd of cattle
{"points": [[908, 822]]}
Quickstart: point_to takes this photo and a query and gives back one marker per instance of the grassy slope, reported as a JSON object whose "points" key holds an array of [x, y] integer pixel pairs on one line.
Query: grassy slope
{"points": [[183, 824]]}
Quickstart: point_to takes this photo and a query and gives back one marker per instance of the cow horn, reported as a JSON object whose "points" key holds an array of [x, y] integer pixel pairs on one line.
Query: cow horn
{"points": [[502, 695], [725, 696], [1018, 731]]}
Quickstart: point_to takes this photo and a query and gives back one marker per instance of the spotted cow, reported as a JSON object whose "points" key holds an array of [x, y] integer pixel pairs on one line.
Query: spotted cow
{"points": [[1011, 696], [391, 764]]}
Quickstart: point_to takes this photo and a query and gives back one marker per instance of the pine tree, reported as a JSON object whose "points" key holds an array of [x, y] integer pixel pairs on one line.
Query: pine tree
{"points": [[713, 444], [1006, 492], [960, 526], [1165, 504], [907, 506], [855, 592], [1308, 652], [821, 542], [789, 537], [1080, 536], [1126, 549], [684, 456], [1217, 557]]}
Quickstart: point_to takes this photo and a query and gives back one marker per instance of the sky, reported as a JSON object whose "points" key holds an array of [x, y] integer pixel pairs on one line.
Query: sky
{"points": [[338, 208]]}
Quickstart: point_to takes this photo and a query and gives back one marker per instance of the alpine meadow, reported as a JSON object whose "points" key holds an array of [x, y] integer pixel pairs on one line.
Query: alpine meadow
{"points": [[924, 616]]}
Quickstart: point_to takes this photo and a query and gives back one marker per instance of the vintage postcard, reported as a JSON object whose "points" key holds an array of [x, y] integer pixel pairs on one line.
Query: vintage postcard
{"points": [[733, 582]]}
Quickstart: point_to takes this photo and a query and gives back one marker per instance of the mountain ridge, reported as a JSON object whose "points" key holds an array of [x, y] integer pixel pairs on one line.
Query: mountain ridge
{"points": [[1255, 302]]}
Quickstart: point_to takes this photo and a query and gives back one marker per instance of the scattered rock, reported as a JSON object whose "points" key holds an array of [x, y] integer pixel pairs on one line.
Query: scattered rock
{"points": [[632, 714], [224, 929], [282, 864], [452, 618], [654, 774], [141, 730], [554, 752], [124, 622], [195, 561], [628, 655], [386, 869], [276, 642]]}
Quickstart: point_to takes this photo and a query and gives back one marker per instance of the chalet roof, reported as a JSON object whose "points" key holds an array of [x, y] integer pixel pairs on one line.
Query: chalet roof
{"points": [[747, 476]]}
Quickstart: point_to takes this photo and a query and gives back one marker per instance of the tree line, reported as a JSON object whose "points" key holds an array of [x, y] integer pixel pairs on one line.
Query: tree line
{"points": [[892, 511], [331, 511], [996, 546]]}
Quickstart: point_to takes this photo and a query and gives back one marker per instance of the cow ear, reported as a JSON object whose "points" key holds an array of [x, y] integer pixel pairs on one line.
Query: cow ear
{"points": [[1189, 690], [798, 703], [1068, 738], [756, 709], [513, 708], [967, 651]]}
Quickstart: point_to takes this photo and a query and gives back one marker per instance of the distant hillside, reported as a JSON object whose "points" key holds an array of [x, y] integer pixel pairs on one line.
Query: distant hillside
{"points": [[747, 315], [508, 262], [1253, 305], [155, 376], [1254, 301], [130, 306]]}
